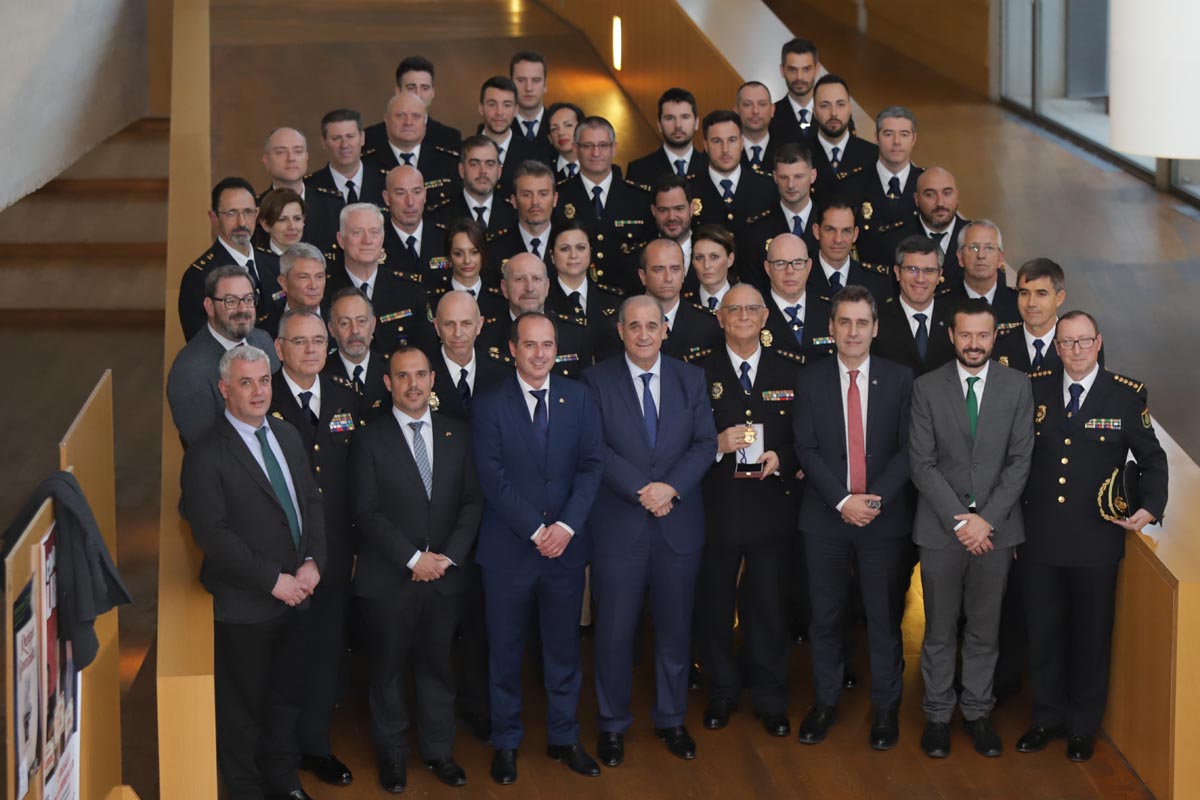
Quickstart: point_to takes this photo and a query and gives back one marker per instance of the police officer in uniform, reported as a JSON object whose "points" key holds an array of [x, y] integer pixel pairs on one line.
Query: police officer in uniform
{"points": [[415, 75], [345, 180], [835, 268], [981, 254], [574, 293], [797, 320], [479, 173], [839, 156], [406, 145], [412, 246], [914, 325], [677, 119], [796, 212], [691, 330]]}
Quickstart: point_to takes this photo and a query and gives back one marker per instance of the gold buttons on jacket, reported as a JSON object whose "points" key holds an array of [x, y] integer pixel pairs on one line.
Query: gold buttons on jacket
{"points": [[1062, 499], [1067, 442], [1062, 480], [1066, 460]]}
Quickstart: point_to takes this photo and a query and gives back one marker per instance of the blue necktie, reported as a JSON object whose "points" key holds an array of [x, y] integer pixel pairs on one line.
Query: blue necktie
{"points": [[464, 389], [681, 167], [1039, 346], [1076, 389], [797, 225], [712, 303], [756, 159], [796, 323], [407, 159], [571, 170], [894, 187], [421, 456], [836, 158], [534, 244], [747, 386], [804, 118], [598, 201], [649, 411], [410, 245], [727, 190], [351, 193], [922, 337], [835, 281], [530, 133], [279, 483], [541, 419]]}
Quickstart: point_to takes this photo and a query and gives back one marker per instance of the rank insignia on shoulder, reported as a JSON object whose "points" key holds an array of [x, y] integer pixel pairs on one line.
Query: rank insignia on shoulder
{"points": [[696, 353], [439, 262], [1039, 415], [569, 211], [338, 379], [494, 235], [446, 150], [641, 186], [779, 396], [1129, 383], [799, 359], [717, 390], [408, 276], [1008, 326], [395, 315], [340, 423], [1041, 373], [328, 191], [434, 402], [566, 358], [377, 404], [766, 337], [1103, 424], [697, 207], [276, 415], [759, 216], [867, 210], [1004, 363]]}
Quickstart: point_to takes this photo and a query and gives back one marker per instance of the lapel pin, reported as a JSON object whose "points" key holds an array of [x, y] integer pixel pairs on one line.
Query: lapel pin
{"points": [[562, 400], [448, 434]]}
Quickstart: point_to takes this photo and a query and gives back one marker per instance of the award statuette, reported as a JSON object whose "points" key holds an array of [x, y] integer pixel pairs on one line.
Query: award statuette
{"points": [[749, 458]]}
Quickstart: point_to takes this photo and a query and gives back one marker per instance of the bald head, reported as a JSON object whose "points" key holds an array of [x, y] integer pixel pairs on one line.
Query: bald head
{"points": [[405, 117], [787, 266], [742, 294], [457, 305], [937, 198], [787, 246], [457, 324], [404, 196]]}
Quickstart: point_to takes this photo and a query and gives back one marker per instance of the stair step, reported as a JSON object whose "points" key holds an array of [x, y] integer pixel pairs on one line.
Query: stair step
{"points": [[91, 284], [84, 217], [84, 253], [108, 188], [82, 318], [146, 128]]}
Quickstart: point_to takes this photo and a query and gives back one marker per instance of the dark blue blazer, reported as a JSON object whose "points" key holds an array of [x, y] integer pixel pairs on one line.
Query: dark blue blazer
{"points": [[523, 488], [684, 449], [820, 434]]}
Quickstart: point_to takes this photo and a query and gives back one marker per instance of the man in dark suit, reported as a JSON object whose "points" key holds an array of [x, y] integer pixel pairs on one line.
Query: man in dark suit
{"points": [[478, 171], [981, 254], [914, 325], [539, 449], [937, 218], [417, 502], [648, 521], [345, 180], [1087, 420], [689, 330], [528, 72], [799, 67], [851, 429], [617, 211], [459, 372], [406, 145], [839, 156], [415, 75], [255, 513], [411, 246], [797, 320], [1041, 291], [324, 409], [671, 208], [301, 282], [498, 109], [534, 196], [751, 519], [796, 213], [885, 196], [836, 230], [753, 105], [677, 121], [352, 327], [970, 442]]}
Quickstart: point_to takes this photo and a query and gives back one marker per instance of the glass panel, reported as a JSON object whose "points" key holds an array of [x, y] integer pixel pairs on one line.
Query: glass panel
{"points": [[1187, 177], [1017, 51]]}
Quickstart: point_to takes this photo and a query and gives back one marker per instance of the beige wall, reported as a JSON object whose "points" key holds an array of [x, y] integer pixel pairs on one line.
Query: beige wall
{"points": [[72, 73]]}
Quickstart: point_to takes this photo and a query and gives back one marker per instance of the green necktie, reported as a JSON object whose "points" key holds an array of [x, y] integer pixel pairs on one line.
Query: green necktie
{"points": [[972, 404], [279, 484]]}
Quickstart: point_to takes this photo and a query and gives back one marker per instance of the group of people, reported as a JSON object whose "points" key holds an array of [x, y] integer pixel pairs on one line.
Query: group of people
{"points": [[465, 395]]}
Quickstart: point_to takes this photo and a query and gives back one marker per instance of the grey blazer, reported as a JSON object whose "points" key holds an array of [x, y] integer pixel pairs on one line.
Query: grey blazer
{"points": [[192, 392], [948, 467]]}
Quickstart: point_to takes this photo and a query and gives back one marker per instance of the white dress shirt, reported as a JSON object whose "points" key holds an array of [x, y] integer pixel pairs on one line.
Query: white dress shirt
{"points": [[583, 291], [502, 147], [719, 294], [350, 365], [784, 305], [989, 296], [748, 148], [536, 120], [239, 258], [886, 175], [314, 402], [864, 382], [561, 166], [472, 203], [247, 432], [1086, 383], [944, 242], [543, 240], [1047, 340], [672, 158], [717, 177], [410, 437], [604, 185], [796, 109], [416, 156], [475, 289], [339, 181], [419, 233], [980, 384], [454, 369], [909, 311], [635, 373], [803, 214], [829, 269], [366, 286], [228, 344], [840, 144], [669, 313]]}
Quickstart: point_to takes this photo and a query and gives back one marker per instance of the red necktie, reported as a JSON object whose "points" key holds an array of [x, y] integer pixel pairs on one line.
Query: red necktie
{"points": [[854, 428]]}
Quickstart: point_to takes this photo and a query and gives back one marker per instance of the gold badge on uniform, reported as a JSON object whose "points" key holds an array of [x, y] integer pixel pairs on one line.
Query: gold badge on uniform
{"points": [[569, 211], [1004, 363], [867, 210], [1041, 415], [434, 402], [697, 207], [1145, 418], [717, 391], [766, 337]]}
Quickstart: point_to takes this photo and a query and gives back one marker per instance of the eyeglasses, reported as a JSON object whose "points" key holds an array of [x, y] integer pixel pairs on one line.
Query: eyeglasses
{"points": [[749, 310], [928, 272], [233, 301], [234, 213], [1083, 343], [796, 264], [986, 249], [303, 341], [602, 147]]}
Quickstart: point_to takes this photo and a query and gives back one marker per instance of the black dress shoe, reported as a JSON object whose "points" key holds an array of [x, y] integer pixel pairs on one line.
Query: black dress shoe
{"points": [[610, 749], [695, 677], [679, 741], [776, 724], [885, 730], [1080, 748], [575, 758], [504, 767], [816, 724], [935, 741], [480, 725], [393, 775], [328, 769], [447, 771], [983, 736], [716, 716], [849, 677], [1035, 739]]}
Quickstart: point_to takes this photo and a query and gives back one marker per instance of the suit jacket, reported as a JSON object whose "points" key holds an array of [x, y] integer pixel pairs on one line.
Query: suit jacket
{"points": [[374, 394], [895, 341], [820, 433], [401, 311], [437, 164], [603, 308], [488, 373], [766, 226], [325, 203], [397, 519], [952, 272], [192, 393], [815, 344], [949, 467], [375, 136], [431, 267], [193, 317], [684, 448], [859, 157], [572, 342], [503, 216], [328, 448], [785, 125], [239, 524], [749, 511], [879, 282], [880, 213], [753, 199], [653, 167], [626, 224], [525, 488], [695, 330]]}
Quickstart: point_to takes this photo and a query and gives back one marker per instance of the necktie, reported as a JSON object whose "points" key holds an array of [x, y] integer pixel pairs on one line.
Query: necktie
{"points": [[253, 276], [306, 404], [797, 225], [1076, 390], [351, 193], [421, 456], [410, 244], [894, 187], [598, 201], [796, 323], [836, 157], [500, 154], [649, 410], [972, 404], [534, 244], [530, 133], [922, 335], [681, 167], [464, 389], [803, 117], [576, 301], [855, 437], [756, 158], [712, 303], [835, 281], [1039, 347], [366, 290], [727, 190], [541, 419], [407, 159], [747, 386], [937, 237], [279, 484], [479, 212], [358, 378], [471, 292], [571, 169]]}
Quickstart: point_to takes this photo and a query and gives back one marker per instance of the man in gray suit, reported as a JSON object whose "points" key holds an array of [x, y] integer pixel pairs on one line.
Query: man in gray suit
{"points": [[192, 392], [970, 445]]}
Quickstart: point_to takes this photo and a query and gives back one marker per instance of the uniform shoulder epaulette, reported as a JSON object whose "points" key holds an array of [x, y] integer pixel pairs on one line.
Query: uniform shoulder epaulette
{"points": [[494, 290], [408, 276], [429, 209], [696, 355], [571, 318], [446, 150], [943, 291], [266, 250], [492, 236], [340, 381], [369, 152], [644, 187], [759, 216], [628, 248], [700, 307], [882, 269], [891, 299], [561, 181], [604, 287], [1041, 373], [1137, 387], [1004, 329], [309, 175], [495, 354], [788, 354], [327, 190]]}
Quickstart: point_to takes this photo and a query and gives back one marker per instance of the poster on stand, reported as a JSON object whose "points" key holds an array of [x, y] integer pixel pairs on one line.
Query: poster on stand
{"points": [[26, 721], [60, 688]]}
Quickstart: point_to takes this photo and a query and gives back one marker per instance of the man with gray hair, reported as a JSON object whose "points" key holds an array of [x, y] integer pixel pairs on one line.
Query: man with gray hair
{"points": [[255, 513], [285, 157], [981, 254], [301, 285], [192, 390], [405, 118]]}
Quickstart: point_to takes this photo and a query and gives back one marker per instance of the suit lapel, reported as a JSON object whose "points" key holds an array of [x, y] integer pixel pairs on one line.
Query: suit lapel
{"points": [[834, 399], [628, 392], [444, 457], [958, 401], [401, 451], [875, 392], [519, 410], [243, 456]]}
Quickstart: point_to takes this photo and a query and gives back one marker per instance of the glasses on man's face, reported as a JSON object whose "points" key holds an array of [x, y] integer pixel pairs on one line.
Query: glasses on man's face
{"points": [[986, 249], [303, 342], [928, 272], [797, 264], [749, 310], [600, 147], [234, 213], [232, 301], [1083, 343]]}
